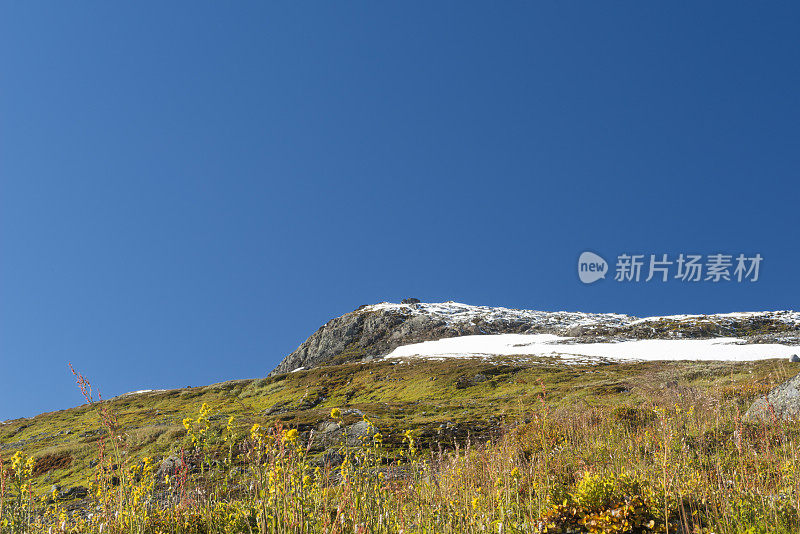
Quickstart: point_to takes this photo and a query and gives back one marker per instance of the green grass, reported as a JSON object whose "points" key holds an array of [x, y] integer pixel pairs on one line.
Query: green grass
{"points": [[396, 395]]}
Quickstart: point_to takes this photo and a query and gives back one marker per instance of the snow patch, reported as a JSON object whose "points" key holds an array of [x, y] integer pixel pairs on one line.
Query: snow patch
{"points": [[789, 317], [458, 313], [548, 345], [453, 313], [139, 392]]}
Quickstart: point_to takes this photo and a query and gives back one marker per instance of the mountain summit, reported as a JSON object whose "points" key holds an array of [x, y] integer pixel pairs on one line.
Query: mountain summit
{"points": [[375, 331]]}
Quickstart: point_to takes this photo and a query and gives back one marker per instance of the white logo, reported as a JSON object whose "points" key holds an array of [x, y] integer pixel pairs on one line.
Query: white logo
{"points": [[664, 267], [591, 267]]}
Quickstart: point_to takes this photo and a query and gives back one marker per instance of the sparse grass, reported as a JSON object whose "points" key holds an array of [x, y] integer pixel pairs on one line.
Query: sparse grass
{"points": [[656, 446]]}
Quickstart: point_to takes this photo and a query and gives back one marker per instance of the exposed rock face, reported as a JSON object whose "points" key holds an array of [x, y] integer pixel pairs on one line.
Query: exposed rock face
{"points": [[783, 402], [65, 494], [374, 331]]}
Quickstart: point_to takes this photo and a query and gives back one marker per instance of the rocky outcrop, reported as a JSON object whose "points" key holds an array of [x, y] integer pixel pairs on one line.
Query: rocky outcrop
{"points": [[364, 333], [783, 402], [374, 331], [65, 494]]}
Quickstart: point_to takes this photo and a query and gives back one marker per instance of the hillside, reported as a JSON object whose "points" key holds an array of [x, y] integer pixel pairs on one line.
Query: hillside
{"points": [[442, 399], [397, 367]]}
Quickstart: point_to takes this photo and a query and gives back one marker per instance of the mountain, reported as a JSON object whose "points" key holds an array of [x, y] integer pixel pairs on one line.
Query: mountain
{"points": [[403, 367], [375, 331]]}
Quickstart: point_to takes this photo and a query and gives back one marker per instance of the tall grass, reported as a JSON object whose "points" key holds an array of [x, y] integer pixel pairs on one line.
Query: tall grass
{"points": [[678, 464]]}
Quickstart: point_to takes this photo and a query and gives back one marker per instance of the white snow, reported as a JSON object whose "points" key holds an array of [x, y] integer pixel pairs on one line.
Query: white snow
{"points": [[458, 313], [142, 391], [729, 349], [790, 317]]}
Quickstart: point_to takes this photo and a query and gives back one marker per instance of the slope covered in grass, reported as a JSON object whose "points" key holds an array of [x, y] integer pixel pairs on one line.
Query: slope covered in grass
{"points": [[445, 402]]}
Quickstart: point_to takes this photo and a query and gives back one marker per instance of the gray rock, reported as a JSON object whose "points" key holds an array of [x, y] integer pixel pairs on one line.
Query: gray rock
{"points": [[169, 466], [279, 408], [794, 358], [328, 434], [373, 332], [328, 426], [410, 300], [783, 401], [574, 331], [360, 432], [75, 492], [368, 333], [311, 400]]}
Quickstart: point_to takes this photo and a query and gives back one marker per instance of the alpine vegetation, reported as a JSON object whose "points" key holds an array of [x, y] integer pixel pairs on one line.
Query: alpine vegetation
{"points": [[444, 418]]}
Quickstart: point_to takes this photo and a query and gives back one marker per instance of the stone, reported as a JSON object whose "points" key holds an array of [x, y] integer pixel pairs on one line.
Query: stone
{"points": [[169, 467], [328, 426], [328, 434], [75, 492], [574, 331], [794, 358], [360, 432], [366, 333], [783, 402], [278, 408]]}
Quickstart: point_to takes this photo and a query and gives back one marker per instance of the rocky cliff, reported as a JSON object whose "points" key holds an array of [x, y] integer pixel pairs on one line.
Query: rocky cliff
{"points": [[373, 331]]}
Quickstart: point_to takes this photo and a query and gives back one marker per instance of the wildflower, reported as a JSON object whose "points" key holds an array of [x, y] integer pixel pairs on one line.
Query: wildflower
{"points": [[336, 413], [290, 436], [29, 464], [16, 460]]}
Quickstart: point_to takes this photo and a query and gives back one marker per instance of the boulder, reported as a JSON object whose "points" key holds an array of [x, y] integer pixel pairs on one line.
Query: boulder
{"points": [[360, 432], [75, 492], [328, 434], [783, 401], [278, 408], [169, 467], [574, 331]]}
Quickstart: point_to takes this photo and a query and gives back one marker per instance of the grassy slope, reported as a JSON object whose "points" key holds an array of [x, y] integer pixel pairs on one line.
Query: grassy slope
{"points": [[417, 394]]}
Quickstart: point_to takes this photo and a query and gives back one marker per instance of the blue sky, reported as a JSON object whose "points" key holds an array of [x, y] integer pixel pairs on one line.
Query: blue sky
{"points": [[188, 190]]}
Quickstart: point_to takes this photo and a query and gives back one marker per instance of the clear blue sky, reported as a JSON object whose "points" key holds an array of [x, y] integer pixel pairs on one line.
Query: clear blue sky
{"points": [[188, 190]]}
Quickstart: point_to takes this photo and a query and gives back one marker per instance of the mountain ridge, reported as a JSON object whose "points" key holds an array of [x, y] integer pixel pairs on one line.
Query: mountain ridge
{"points": [[374, 331]]}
